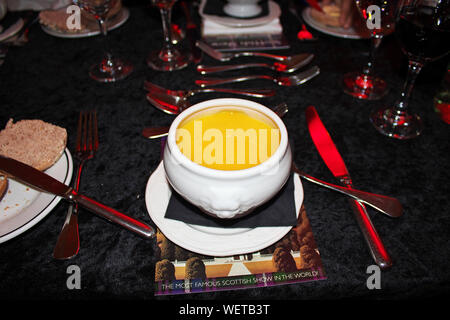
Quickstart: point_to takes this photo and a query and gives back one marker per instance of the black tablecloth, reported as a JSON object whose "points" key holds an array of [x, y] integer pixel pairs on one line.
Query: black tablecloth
{"points": [[47, 79]]}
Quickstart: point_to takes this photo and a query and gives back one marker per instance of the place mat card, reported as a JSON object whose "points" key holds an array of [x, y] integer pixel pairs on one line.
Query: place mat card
{"points": [[267, 35], [247, 42], [293, 259]]}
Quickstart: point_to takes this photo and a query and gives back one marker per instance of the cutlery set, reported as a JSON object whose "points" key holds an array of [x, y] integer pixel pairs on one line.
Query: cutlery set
{"points": [[174, 102], [41, 181], [333, 160], [68, 242], [284, 64]]}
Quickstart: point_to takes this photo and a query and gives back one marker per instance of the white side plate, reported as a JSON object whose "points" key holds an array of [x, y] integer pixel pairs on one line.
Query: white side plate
{"points": [[22, 207]]}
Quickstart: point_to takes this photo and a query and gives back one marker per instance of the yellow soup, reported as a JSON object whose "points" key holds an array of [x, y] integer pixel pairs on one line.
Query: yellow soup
{"points": [[228, 138]]}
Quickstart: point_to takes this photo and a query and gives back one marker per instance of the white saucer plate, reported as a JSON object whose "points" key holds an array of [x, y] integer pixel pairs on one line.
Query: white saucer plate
{"points": [[274, 13], [22, 207], [217, 242], [118, 20]]}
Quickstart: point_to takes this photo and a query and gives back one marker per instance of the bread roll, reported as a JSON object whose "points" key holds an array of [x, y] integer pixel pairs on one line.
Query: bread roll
{"points": [[330, 16], [34, 142]]}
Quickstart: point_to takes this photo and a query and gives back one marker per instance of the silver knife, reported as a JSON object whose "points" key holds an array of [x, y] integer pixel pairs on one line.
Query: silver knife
{"points": [[39, 180], [335, 163]]}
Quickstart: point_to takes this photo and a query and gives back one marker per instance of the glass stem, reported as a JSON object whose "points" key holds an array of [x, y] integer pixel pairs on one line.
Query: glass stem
{"points": [[374, 44], [413, 71], [104, 32], [167, 52]]}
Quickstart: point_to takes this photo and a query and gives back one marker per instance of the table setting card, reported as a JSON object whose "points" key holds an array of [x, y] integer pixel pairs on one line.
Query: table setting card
{"points": [[239, 34], [247, 42], [295, 258]]}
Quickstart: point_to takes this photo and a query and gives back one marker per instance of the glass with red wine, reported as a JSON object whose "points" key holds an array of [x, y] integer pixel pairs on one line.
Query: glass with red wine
{"points": [[379, 16], [110, 68], [423, 31], [168, 58]]}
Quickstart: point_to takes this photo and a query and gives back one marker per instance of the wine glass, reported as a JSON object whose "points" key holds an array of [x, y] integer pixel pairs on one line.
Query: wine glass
{"points": [[168, 58], [423, 30], [110, 68], [379, 18]]}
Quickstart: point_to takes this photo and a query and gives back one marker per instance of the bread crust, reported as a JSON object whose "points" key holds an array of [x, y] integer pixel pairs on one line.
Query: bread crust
{"points": [[3, 186], [34, 142]]}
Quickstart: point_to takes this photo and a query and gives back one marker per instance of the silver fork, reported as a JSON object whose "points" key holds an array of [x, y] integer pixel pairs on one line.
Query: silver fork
{"points": [[68, 243], [226, 56], [294, 80], [257, 93]]}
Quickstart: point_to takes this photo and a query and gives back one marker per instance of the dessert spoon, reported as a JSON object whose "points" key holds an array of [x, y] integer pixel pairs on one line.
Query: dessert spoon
{"points": [[226, 56], [255, 93], [288, 66], [293, 80]]}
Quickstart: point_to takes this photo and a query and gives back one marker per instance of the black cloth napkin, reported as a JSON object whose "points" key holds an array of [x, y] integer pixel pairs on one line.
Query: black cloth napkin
{"points": [[215, 8], [279, 211]]}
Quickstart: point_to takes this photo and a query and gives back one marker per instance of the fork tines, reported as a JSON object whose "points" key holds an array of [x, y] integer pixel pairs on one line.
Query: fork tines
{"points": [[87, 132]]}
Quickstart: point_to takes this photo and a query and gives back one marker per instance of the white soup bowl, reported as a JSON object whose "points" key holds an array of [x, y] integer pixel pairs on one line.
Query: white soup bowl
{"points": [[227, 193]]}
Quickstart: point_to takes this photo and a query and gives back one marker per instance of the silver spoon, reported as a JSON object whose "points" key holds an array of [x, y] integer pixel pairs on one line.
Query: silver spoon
{"points": [[168, 103], [256, 93], [387, 205], [293, 80], [288, 66], [158, 132], [226, 56]]}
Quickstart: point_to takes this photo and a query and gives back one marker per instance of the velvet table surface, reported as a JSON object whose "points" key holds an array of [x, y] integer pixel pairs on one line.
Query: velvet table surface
{"points": [[48, 79]]}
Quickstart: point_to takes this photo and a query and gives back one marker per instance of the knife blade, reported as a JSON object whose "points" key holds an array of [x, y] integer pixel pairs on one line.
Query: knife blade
{"points": [[192, 34], [39, 180], [333, 160]]}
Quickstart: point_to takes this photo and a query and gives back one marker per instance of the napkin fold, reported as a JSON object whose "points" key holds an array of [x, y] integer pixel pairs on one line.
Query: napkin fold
{"points": [[211, 28], [215, 8], [277, 212]]}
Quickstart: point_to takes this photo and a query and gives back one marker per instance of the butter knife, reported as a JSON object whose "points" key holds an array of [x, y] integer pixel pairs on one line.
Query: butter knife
{"points": [[330, 155], [39, 180]]}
